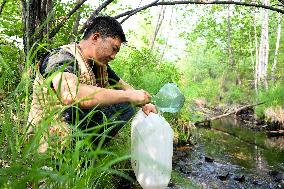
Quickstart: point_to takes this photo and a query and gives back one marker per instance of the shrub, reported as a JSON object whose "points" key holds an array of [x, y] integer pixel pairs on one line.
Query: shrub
{"points": [[142, 69]]}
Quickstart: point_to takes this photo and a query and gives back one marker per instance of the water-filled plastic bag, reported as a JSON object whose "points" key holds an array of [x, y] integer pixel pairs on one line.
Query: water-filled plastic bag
{"points": [[151, 150], [169, 98]]}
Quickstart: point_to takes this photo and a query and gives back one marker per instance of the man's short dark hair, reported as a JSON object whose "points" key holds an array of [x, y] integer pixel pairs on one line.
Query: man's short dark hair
{"points": [[105, 25]]}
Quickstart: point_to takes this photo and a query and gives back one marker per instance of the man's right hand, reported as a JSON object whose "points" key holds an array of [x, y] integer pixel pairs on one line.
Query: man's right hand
{"points": [[139, 97]]}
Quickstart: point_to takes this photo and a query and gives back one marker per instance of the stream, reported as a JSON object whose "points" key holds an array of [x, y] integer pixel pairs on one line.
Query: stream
{"points": [[229, 155]]}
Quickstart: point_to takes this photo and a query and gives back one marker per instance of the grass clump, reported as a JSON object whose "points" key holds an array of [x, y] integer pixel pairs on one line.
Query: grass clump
{"points": [[75, 164]]}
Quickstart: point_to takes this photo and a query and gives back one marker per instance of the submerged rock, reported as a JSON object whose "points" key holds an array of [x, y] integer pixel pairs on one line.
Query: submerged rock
{"points": [[240, 179], [276, 175], [208, 159], [223, 177]]}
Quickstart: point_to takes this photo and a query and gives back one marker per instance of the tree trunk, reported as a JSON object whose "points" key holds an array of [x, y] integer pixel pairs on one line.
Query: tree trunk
{"points": [[276, 48], [256, 78], [230, 50], [263, 50], [158, 25], [168, 34], [251, 49], [49, 5], [72, 37], [34, 15]]}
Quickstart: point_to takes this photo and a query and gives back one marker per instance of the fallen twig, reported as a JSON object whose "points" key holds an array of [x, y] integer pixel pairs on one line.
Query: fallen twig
{"points": [[227, 114], [275, 133]]}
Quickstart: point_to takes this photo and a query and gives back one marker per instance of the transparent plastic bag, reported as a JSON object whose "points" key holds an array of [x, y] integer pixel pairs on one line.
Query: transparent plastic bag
{"points": [[151, 150], [169, 98]]}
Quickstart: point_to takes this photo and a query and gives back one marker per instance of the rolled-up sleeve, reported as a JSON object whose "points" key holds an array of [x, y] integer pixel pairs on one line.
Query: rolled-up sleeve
{"points": [[58, 60]]}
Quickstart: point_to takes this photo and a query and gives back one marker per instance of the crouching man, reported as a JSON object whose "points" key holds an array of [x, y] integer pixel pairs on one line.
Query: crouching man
{"points": [[75, 81]]}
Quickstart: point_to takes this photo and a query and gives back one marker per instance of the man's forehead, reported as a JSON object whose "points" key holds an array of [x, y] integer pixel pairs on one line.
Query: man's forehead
{"points": [[116, 41]]}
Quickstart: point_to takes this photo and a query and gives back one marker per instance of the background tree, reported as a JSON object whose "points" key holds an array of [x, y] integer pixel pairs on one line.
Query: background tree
{"points": [[35, 23], [276, 47], [35, 13], [262, 65]]}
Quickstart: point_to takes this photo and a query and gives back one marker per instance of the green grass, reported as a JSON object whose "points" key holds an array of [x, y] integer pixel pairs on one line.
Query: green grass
{"points": [[274, 97], [78, 164], [75, 164]]}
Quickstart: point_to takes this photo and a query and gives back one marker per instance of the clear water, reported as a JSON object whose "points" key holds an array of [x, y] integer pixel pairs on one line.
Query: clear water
{"points": [[230, 141], [237, 152]]}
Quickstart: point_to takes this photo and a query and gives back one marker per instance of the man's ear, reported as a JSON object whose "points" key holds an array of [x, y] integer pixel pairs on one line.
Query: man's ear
{"points": [[95, 36]]}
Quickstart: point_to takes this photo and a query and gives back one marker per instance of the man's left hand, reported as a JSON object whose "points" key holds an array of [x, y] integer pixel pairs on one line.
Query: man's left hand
{"points": [[147, 108]]}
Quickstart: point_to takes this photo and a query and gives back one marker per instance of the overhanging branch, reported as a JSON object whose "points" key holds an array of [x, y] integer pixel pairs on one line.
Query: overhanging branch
{"points": [[96, 12], [2, 6], [59, 26], [132, 12], [156, 3]]}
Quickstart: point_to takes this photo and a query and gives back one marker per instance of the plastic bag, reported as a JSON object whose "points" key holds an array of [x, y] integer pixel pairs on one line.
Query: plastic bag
{"points": [[169, 98], [151, 150]]}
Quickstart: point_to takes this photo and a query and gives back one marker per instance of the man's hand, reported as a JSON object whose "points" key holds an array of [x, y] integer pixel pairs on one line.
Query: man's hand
{"points": [[149, 108], [139, 97]]}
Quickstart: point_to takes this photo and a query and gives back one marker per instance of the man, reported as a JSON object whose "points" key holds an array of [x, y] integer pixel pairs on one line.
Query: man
{"points": [[77, 79]]}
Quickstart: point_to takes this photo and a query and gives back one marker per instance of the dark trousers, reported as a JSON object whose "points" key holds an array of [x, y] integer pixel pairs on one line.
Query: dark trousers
{"points": [[102, 123]]}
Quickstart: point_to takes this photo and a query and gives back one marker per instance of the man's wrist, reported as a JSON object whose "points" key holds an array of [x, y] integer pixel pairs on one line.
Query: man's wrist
{"points": [[127, 95]]}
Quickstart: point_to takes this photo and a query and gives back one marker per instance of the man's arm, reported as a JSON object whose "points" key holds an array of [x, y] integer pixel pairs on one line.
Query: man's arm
{"points": [[88, 96], [147, 108]]}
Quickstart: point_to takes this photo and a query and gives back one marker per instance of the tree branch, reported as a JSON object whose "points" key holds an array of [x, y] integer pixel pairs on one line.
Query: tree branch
{"points": [[156, 3], [96, 12], [2, 6], [59, 26], [75, 27], [158, 25], [132, 12]]}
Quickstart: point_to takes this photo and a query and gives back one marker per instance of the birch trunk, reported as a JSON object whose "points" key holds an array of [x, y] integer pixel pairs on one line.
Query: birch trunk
{"points": [[230, 50], [263, 49], [256, 78], [276, 48], [168, 35]]}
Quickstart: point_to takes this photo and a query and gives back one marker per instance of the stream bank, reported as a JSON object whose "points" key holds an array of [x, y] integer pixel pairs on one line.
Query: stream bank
{"points": [[233, 152]]}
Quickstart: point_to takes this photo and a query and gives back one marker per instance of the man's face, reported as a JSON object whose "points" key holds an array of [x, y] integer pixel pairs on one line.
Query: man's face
{"points": [[105, 49]]}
